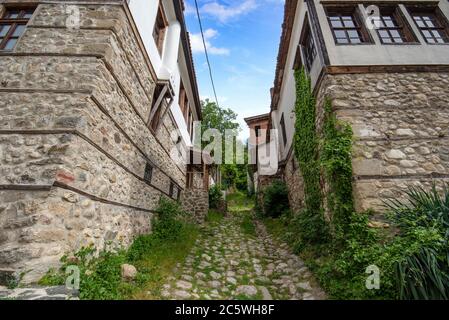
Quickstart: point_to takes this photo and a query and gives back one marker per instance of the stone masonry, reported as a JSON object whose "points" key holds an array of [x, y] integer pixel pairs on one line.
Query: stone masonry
{"points": [[400, 123], [74, 140]]}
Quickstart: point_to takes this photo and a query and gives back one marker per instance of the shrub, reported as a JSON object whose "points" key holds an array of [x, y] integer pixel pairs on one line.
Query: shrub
{"points": [[423, 272], [166, 227], [214, 196], [275, 201]]}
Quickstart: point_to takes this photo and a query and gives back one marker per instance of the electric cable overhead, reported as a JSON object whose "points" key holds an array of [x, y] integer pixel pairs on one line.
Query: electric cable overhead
{"points": [[205, 51]]}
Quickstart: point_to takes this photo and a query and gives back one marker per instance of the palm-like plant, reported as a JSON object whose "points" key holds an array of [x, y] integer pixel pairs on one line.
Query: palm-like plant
{"points": [[424, 220]]}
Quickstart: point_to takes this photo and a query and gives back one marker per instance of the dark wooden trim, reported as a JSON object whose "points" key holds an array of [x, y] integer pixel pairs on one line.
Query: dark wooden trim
{"points": [[380, 139], [96, 146], [433, 175], [46, 188], [58, 91], [25, 187], [98, 199], [317, 32], [386, 69]]}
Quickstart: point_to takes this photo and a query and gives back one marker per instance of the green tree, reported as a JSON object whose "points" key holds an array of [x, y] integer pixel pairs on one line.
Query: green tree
{"points": [[223, 119]]}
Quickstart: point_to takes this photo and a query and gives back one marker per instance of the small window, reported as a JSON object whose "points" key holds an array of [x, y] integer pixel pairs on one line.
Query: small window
{"points": [[284, 132], [431, 22], [257, 129], [346, 25], [183, 101], [393, 28], [159, 28], [308, 45], [12, 26], [148, 173], [174, 191]]}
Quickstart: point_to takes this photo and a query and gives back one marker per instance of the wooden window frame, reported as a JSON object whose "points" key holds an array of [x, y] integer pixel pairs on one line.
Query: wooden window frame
{"points": [[343, 11], [442, 23], [257, 130], [283, 129], [171, 193], [400, 25], [160, 28], [14, 23], [308, 46], [148, 174]]}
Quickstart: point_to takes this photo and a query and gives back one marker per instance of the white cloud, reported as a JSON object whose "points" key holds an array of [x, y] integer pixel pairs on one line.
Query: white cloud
{"points": [[198, 47], [223, 13]]}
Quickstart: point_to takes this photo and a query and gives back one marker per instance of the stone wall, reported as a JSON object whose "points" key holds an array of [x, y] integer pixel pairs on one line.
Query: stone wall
{"points": [[295, 183], [74, 141], [196, 203], [400, 123], [263, 181]]}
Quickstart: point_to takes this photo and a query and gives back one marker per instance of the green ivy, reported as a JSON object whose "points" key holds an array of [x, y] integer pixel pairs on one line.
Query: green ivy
{"points": [[336, 159], [307, 153]]}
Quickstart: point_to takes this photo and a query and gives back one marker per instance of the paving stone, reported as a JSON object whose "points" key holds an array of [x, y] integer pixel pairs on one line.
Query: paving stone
{"points": [[181, 284], [246, 290], [256, 266], [214, 275]]}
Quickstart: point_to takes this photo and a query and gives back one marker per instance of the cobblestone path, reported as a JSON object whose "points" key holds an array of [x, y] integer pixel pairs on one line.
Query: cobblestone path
{"points": [[229, 263]]}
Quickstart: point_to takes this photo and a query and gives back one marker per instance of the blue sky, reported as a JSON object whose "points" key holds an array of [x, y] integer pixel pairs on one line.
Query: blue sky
{"points": [[242, 38]]}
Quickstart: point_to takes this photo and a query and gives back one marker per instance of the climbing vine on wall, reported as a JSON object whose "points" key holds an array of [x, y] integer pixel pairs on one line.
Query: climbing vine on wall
{"points": [[328, 152], [311, 221], [336, 160]]}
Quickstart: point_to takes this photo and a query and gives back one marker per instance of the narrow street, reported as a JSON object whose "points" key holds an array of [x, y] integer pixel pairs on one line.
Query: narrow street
{"points": [[234, 260]]}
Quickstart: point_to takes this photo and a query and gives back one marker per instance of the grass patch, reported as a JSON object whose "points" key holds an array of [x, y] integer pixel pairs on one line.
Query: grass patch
{"points": [[214, 216], [239, 201], [158, 264], [52, 278], [247, 225], [154, 256]]}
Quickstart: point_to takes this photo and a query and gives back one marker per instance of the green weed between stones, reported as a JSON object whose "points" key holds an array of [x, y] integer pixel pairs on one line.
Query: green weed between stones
{"points": [[154, 255], [413, 263]]}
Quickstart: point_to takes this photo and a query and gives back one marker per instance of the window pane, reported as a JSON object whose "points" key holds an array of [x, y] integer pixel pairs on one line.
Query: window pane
{"points": [[28, 14], [426, 34], [342, 40], [439, 40], [19, 30], [398, 40], [395, 33], [353, 34], [436, 33], [390, 24], [378, 22], [419, 22], [10, 44], [12, 15], [386, 40], [336, 24], [4, 30], [340, 34], [384, 34], [355, 40], [349, 23]]}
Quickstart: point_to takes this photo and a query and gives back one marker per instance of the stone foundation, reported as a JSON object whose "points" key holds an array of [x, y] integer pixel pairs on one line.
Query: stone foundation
{"points": [[400, 123], [295, 183], [74, 140], [196, 203]]}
